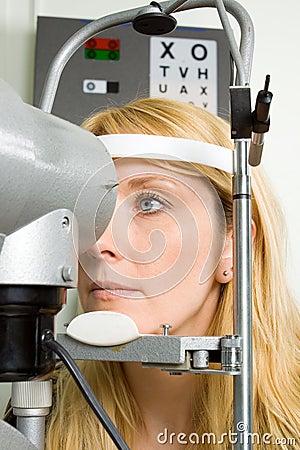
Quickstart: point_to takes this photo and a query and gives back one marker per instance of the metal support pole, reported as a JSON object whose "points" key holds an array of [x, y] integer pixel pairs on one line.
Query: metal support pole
{"points": [[33, 427], [243, 391]]}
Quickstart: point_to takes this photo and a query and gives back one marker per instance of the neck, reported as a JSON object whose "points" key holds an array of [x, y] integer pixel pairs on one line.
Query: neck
{"points": [[165, 401]]}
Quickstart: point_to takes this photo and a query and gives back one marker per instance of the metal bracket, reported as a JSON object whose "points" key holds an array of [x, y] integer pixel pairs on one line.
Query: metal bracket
{"points": [[175, 354]]}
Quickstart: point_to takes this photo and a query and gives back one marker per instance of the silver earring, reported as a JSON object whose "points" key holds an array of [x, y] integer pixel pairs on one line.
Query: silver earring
{"points": [[225, 273]]}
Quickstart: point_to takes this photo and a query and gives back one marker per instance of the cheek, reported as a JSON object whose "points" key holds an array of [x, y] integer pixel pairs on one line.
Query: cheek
{"points": [[162, 252], [155, 244]]}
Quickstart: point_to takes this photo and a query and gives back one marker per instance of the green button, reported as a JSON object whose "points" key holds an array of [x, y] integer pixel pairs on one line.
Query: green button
{"points": [[108, 55]]}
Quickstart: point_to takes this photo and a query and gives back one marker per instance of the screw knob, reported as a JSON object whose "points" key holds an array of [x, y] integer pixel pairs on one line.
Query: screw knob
{"points": [[166, 328]]}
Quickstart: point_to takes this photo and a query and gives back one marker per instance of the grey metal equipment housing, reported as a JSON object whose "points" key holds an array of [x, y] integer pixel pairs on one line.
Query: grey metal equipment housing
{"points": [[44, 167]]}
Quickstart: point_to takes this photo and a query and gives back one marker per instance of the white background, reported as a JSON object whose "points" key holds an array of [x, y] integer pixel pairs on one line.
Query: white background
{"points": [[276, 52]]}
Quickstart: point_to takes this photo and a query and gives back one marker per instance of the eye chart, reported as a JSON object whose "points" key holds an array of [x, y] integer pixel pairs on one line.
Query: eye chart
{"points": [[184, 69]]}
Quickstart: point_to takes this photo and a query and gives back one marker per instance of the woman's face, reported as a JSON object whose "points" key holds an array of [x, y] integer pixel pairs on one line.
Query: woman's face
{"points": [[158, 259]]}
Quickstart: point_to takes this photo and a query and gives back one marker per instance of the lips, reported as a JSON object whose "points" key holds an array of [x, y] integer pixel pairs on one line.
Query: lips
{"points": [[105, 288]]}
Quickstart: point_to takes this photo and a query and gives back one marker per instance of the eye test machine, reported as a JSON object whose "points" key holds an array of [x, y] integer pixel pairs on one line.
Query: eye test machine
{"points": [[50, 213]]}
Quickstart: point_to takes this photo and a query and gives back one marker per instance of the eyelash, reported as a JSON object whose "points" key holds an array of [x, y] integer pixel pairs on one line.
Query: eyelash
{"points": [[153, 196]]}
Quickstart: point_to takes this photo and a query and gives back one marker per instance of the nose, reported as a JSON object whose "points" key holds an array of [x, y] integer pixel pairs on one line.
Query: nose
{"points": [[105, 246]]}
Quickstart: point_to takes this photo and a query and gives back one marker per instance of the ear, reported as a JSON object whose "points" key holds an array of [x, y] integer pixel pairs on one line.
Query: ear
{"points": [[224, 271]]}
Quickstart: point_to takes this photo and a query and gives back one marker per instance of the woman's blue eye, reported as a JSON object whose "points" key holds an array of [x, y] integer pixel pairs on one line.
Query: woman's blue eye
{"points": [[149, 202]]}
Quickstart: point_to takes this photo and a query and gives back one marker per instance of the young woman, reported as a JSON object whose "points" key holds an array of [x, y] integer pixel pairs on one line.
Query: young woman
{"points": [[180, 202]]}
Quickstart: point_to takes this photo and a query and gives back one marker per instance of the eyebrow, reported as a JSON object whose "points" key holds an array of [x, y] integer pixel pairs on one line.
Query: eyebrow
{"points": [[138, 182]]}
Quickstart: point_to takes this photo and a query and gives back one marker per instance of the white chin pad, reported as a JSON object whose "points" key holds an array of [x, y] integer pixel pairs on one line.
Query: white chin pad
{"points": [[103, 328]]}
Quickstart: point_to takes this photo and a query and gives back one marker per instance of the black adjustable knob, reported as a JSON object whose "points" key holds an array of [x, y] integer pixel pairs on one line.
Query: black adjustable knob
{"points": [[153, 21]]}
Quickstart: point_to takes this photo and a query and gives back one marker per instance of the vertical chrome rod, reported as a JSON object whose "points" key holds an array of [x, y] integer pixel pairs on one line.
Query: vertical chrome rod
{"points": [[33, 428], [243, 391]]}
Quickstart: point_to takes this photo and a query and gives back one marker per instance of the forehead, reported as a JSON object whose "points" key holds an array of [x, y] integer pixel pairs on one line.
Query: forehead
{"points": [[133, 171]]}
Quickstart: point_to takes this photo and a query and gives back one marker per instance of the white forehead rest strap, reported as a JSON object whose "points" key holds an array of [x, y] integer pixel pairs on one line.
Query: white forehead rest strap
{"points": [[168, 148]]}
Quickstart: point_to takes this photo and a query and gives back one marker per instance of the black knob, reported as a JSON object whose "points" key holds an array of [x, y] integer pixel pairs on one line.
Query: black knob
{"points": [[154, 23]]}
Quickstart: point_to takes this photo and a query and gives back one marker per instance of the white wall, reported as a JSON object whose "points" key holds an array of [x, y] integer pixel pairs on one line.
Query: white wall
{"points": [[277, 41]]}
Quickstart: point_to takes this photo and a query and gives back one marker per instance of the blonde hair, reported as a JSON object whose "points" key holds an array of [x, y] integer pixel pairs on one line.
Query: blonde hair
{"points": [[72, 425]]}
